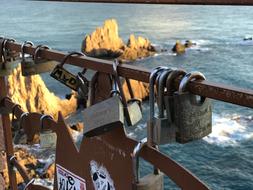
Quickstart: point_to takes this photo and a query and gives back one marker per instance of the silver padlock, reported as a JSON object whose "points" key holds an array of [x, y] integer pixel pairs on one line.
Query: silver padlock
{"points": [[104, 116], [33, 65], [150, 181], [193, 117], [164, 131], [9, 60], [47, 137], [132, 109], [151, 122]]}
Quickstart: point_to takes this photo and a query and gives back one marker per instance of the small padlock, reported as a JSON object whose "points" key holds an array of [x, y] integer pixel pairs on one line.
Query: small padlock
{"points": [[19, 131], [164, 130], [47, 137], [33, 65], [105, 115], [64, 76], [9, 60], [150, 181], [151, 122], [132, 109], [193, 117]]}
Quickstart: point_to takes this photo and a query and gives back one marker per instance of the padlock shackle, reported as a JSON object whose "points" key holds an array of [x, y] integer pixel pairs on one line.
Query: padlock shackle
{"points": [[171, 78], [4, 49], [66, 57], [14, 109], [135, 158], [22, 48], [37, 49], [42, 119], [160, 92], [21, 120]]}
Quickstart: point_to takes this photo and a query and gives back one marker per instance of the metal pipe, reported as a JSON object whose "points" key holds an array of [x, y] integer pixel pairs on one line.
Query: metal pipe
{"points": [[234, 95], [184, 2]]}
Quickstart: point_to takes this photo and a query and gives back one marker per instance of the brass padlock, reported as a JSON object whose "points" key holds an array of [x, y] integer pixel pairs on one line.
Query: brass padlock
{"points": [[33, 65], [9, 60], [193, 117], [47, 137], [164, 130], [64, 76], [104, 116], [132, 109], [149, 182]]}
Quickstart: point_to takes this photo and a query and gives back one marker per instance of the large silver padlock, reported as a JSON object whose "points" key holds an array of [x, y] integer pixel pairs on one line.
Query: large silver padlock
{"points": [[33, 65], [193, 116], [9, 60], [132, 109], [149, 182], [104, 116], [164, 130], [151, 122], [48, 138], [64, 76]]}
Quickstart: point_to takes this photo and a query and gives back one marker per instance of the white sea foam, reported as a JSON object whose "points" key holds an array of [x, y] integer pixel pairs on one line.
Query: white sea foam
{"points": [[229, 131]]}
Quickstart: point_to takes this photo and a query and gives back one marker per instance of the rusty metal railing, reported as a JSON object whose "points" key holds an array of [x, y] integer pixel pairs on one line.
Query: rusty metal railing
{"points": [[184, 2]]}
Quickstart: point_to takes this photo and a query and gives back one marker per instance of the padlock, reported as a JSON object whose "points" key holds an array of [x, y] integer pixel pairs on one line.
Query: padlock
{"points": [[193, 117], [64, 76], [149, 182], [33, 65], [47, 136], [151, 122], [105, 115], [19, 131], [164, 130], [3, 109], [9, 60], [132, 110]]}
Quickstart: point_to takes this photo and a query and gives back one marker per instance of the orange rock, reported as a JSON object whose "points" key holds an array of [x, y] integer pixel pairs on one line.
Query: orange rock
{"points": [[33, 95]]}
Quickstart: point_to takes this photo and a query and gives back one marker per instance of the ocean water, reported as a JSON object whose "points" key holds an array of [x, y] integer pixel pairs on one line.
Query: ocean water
{"points": [[224, 159]]}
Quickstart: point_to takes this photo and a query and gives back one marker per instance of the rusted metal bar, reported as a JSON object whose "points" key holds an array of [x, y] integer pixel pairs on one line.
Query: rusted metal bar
{"points": [[184, 2], [212, 90]]}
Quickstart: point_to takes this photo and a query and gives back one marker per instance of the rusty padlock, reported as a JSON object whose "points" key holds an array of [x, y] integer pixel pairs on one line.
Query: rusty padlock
{"points": [[193, 117], [105, 115], [65, 77], [149, 182], [9, 60], [132, 109]]}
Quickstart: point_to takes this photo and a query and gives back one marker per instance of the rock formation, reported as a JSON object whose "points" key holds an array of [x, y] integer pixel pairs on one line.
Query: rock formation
{"points": [[32, 95], [105, 42], [180, 48]]}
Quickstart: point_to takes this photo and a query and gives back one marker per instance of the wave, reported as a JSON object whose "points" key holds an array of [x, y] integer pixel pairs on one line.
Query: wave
{"points": [[230, 130]]}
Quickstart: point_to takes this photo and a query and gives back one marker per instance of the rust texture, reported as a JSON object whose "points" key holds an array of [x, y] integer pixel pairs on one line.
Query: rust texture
{"points": [[209, 89]]}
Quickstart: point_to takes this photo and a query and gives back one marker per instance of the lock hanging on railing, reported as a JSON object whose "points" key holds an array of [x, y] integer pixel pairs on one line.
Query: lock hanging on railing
{"points": [[64, 76], [33, 65], [164, 130], [3, 109], [132, 108], [193, 117], [19, 131], [47, 136], [148, 182], [105, 115], [9, 60]]}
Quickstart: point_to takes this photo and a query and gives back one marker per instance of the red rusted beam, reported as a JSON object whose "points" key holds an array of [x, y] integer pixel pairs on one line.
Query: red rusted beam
{"points": [[212, 90], [184, 2]]}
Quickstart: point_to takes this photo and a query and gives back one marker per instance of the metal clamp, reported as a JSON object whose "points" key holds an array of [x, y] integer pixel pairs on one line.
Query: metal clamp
{"points": [[135, 158]]}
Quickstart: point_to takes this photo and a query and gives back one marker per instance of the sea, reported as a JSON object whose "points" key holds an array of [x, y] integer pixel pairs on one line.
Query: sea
{"points": [[224, 159]]}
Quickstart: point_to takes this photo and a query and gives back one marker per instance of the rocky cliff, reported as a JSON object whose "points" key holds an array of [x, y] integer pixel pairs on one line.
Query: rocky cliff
{"points": [[32, 95], [105, 42]]}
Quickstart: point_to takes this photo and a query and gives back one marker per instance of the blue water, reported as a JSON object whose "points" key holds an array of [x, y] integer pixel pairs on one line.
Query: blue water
{"points": [[223, 160]]}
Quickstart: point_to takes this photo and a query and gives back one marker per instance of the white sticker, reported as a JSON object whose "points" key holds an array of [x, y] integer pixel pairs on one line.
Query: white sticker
{"points": [[48, 140], [66, 180], [100, 177]]}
